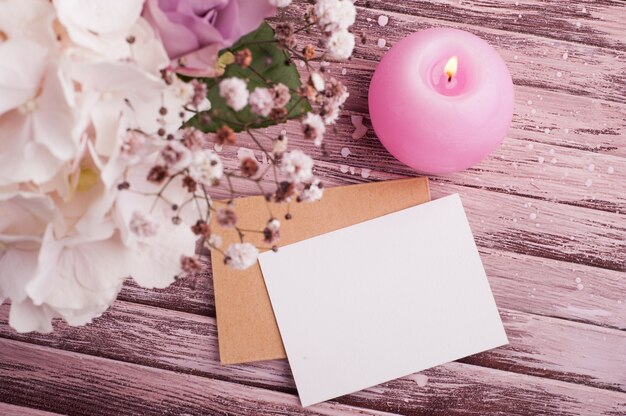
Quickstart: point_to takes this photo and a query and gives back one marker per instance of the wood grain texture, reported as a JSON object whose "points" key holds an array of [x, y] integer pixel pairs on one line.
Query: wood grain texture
{"points": [[11, 410], [547, 208], [77, 382], [539, 345], [589, 22]]}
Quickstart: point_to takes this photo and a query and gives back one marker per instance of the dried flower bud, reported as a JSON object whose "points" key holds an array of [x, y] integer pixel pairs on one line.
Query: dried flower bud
{"points": [[284, 35], [201, 228], [225, 135], [309, 51], [123, 185], [249, 167], [278, 113], [271, 233], [282, 95], [284, 191], [309, 92], [226, 218], [168, 76], [243, 58], [190, 184], [190, 265], [157, 174]]}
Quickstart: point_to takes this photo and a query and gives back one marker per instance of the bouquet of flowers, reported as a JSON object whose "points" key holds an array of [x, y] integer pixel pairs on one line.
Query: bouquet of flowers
{"points": [[112, 117]]}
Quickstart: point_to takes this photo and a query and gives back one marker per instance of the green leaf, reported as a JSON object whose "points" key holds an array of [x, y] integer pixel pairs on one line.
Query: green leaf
{"points": [[270, 64]]}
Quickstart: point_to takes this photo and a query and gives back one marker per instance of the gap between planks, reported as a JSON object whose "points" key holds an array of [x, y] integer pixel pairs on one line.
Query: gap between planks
{"points": [[514, 17], [452, 389], [72, 383], [184, 342]]}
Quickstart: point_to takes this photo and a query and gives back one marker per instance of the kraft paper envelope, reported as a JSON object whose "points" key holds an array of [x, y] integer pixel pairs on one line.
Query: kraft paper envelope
{"points": [[246, 325], [381, 299]]}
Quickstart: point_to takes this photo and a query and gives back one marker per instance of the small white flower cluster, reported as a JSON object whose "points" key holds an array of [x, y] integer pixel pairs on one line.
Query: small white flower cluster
{"points": [[262, 100], [334, 17], [241, 255], [235, 91]]}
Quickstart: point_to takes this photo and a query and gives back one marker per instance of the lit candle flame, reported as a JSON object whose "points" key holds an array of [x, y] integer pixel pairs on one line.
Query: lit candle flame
{"points": [[451, 67]]}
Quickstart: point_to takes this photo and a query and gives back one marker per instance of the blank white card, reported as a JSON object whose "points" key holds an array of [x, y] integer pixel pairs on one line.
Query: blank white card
{"points": [[381, 300]]}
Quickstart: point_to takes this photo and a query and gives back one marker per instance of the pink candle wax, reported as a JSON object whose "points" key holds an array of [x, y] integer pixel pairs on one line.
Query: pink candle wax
{"points": [[441, 100]]}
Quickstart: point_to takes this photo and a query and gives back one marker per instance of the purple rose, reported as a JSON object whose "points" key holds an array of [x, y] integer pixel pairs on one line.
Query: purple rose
{"points": [[193, 31]]}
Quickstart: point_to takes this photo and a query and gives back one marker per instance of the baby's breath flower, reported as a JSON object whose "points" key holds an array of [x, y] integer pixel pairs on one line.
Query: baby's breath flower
{"points": [[314, 128], [284, 191], [241, 255], [175, 155], [199, 92], [271, 233], [317, 81], [284, 35], [192, 138], [261, 101], [143, 225], [243, 58], [312, 192], [279, 145], [201, 228], [309, 51], [297, 165], [282, 96], [206, 167], [340, 45], [335, 15], [190, 265], [235, 92], [133, 146], [225, 135], [214, 240], [226, 217], [157, 174], [249, 166]]}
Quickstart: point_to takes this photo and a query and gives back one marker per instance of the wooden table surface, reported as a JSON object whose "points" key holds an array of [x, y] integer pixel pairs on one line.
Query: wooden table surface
{"points": [[548, 211]]}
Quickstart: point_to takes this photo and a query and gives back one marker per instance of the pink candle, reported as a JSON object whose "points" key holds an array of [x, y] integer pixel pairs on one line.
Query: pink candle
{"points": [[441, 100]]}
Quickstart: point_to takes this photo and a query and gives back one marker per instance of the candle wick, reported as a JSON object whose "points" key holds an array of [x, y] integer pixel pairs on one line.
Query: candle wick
{"points": [[449, 77]]}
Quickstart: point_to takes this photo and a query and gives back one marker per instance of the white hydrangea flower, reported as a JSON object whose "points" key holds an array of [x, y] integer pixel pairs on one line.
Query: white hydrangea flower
{"points": [[206, 167], [241, 255], [235, 91], [261, 101], [298, 165], [335, 15], [280, 3], [314, 128], [340, 44], [313, 192]]}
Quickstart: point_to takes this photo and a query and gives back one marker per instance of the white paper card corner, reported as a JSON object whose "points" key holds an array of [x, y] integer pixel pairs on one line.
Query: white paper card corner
{"points": [[382, 299]]}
